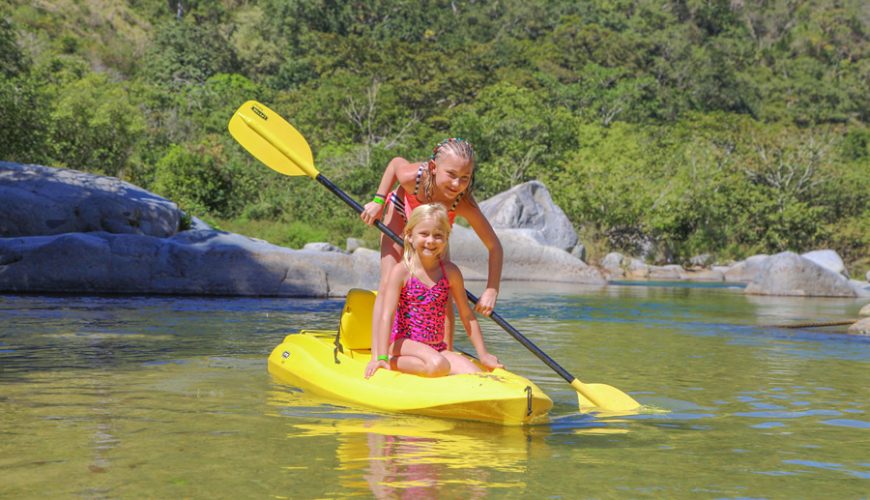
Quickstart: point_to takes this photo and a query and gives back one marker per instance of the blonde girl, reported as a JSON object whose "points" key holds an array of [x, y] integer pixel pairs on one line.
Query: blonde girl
{"points": [[446, 178], [411, 335]]}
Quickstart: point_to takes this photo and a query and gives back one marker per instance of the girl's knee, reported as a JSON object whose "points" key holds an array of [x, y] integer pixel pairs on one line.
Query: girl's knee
{"points": [[437, 366]]}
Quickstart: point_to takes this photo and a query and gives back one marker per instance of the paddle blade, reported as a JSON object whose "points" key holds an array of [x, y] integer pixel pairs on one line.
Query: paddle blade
{"points": [[603, 396], [273, 141]]}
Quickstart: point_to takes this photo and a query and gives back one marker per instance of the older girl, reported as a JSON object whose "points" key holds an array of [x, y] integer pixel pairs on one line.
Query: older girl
{"points": [[446, 178]]}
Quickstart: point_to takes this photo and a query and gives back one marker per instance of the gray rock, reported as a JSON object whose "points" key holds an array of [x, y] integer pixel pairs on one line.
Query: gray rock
{"points": [[352, 244], [637, 269], [787, 273], [670, 272], [525, 258], [862, 288], [322, 247], [529, 206], [828, 259], [746, 270], [861, 327], [612, 265], [702, 275], [612, 261], [865, 311], [40, 201], [193, 262], [579, 251], [702, 260], [197, 224]]}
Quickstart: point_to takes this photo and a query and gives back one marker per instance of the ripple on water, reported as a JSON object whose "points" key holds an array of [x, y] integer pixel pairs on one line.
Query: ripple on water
{"points": [[845, 422]]}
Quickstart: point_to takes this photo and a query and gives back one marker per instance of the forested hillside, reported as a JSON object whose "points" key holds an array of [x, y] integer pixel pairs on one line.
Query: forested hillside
{"points": [[726, 127]]}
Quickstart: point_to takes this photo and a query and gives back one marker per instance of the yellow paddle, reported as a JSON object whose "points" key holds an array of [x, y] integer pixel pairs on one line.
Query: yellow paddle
{"points": [[273, 141]]}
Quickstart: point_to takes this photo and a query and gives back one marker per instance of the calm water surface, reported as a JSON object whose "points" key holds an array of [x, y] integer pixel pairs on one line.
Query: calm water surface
{"points": [[132, 397]]}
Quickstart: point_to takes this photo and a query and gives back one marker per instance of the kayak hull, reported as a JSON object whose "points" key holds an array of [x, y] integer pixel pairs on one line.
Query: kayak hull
{"points": [[311, 361]]}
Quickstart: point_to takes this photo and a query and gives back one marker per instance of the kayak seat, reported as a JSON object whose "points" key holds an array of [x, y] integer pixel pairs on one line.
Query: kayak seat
{"points": [[355, 328]]}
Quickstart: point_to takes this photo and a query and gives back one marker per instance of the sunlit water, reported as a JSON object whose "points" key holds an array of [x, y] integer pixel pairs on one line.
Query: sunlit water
{"points": [[169, 397]]}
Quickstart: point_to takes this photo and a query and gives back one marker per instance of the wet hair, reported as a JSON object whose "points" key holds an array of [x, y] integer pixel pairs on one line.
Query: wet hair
{"points": [[433, 211], [462, 149]]}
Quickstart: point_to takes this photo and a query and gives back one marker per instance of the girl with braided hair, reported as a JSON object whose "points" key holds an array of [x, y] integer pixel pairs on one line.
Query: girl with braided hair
{"points": [[446, 178]]}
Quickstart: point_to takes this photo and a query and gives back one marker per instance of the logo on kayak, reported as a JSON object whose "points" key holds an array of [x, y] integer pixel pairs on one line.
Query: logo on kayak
{"points": [[285, 354], [259, 112]]}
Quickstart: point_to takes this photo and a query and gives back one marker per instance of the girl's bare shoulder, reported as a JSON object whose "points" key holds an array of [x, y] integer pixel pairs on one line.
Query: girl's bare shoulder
{"points": [[400, 272], [468, 205], [452, 270], [406, 171]]}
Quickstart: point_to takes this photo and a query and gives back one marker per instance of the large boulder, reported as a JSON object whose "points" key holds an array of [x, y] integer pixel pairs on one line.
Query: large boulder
{"points": [[788, 273], [746, 270], [40, 201], [191, 262], [828, 259], [529, 206], [525, 258]]}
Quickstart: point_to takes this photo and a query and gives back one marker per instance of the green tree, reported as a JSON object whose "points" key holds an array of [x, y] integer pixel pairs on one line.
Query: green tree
{"points": [[185, 53], [516, 134], [94, 126], [12, 61], [195, 180]]}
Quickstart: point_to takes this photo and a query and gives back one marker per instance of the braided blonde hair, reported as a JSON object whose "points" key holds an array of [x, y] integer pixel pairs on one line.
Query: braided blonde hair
{"points": [[462, 149]]}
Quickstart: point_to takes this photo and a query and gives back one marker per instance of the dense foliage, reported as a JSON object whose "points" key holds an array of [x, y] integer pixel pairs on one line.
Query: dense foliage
{"points": [[669, 128]]}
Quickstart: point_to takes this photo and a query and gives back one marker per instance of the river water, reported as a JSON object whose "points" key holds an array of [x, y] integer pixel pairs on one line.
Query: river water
{"points": [[169, 397]]}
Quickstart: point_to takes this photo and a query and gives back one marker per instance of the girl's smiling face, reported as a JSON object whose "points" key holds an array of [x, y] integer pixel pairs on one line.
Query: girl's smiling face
{"points": [[428, 238], [452, 174]]}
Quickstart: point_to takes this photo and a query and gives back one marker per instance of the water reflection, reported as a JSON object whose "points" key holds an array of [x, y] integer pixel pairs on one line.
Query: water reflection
{"points": [[405, 457]]}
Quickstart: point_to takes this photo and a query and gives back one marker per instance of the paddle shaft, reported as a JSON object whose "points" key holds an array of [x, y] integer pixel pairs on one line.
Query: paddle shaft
{"points": [[494, 315]]}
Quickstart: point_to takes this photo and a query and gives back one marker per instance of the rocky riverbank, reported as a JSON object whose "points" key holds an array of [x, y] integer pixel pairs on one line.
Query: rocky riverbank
{"points": [[63, 231]]}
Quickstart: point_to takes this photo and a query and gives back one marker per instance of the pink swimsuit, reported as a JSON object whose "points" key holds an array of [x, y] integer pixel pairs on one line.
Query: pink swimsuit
{"points": [[421, 312]]}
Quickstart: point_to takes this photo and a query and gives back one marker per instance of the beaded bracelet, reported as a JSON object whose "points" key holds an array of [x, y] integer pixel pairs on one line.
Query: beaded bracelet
{"points": [[384, 357], [379, 199]]}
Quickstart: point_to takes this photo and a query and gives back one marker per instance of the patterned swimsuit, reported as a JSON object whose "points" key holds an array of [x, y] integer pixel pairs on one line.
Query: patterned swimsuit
{"points": [[421, 312]]}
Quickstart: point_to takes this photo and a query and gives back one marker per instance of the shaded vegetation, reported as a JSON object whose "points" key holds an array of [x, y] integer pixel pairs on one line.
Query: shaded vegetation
{"points": [[669, 128]]}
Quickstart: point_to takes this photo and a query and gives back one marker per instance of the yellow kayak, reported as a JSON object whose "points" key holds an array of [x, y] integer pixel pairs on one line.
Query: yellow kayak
{"points": [[331, 364]]}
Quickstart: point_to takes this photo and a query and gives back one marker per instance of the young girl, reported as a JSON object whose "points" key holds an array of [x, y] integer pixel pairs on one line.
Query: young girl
{"points": [[446, 178], [415, 304]]}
